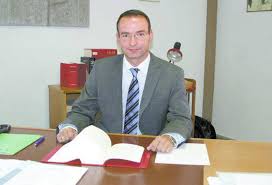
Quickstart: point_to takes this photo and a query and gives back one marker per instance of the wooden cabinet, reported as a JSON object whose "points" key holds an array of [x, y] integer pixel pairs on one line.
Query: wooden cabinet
{"points": [[61, 100]]}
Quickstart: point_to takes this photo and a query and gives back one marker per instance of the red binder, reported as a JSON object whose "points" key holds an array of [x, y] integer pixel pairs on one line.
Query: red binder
{"points": [[111, 163], [72, 75]]}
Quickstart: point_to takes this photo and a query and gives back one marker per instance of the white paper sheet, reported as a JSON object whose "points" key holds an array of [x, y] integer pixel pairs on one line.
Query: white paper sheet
{"points": [[33, 173], [188, 154], [235, 178], [7, 165], [214, 181]]}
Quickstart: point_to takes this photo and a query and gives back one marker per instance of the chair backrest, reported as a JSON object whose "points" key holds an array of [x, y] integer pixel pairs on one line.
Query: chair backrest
{"points": [[190, 85]]}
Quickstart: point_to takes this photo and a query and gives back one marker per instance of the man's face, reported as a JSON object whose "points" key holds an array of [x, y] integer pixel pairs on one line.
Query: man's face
{"points": [[134, 38]]}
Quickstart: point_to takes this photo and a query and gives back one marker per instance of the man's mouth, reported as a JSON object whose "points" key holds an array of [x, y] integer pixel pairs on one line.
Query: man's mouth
{"points": [[133, 50]]}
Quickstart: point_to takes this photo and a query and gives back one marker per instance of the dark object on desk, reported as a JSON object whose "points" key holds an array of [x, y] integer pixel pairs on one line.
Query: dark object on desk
{"points": [[89, 61], [204, 129], [5, 128], [91, 55]]}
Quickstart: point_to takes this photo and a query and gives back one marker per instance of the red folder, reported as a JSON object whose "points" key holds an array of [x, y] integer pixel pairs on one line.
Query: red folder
{"points": [[112, 162]]}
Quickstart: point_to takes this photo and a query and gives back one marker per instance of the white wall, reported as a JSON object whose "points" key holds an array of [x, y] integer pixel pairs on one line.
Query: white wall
{"points": [[30, 56], [243, 91]]}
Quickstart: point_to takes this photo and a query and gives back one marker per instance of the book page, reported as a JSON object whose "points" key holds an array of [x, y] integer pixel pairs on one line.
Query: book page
{"points": [[126, 151], [90, 146]]}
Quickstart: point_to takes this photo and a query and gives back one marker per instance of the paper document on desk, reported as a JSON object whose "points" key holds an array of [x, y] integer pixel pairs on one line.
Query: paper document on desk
{"points": [[229, 178], [9, 166], [33, 173], [188, 154]]}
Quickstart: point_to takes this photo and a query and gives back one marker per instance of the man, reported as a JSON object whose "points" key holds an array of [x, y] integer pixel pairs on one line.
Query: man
{"points": [[135, 93]]}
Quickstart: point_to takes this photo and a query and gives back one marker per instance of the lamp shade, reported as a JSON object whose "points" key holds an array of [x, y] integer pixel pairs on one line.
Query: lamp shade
{"points": [[174, 54]]}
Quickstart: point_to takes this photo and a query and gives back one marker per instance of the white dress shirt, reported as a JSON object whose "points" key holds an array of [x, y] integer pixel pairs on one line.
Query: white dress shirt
{"points": [[126, 80], [141, 76]]}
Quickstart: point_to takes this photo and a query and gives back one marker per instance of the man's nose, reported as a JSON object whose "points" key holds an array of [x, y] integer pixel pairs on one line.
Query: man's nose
{"points": [[132, 40]]}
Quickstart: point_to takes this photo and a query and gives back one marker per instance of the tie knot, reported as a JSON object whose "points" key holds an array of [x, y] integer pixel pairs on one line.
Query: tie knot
{"points": [[134, 71]]}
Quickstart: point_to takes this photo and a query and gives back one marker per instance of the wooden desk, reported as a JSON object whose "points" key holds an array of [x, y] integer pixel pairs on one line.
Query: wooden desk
{"points": [[225, 155], [155, 174], [237, 156]]}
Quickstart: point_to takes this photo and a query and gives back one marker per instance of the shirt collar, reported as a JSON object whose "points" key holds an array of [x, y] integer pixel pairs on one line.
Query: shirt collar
{"points": [[143, 67]]}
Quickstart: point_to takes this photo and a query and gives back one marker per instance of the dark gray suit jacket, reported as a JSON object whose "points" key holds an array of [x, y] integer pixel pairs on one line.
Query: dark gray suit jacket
{"points": [[163, 109]]}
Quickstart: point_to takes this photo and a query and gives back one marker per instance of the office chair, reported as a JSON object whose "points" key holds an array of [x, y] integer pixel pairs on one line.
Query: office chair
{"points": [[190, 86]]}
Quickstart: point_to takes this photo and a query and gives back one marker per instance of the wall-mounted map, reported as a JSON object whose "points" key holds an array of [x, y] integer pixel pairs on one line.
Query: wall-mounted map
{"points": [[259, 5], [44, 12]]}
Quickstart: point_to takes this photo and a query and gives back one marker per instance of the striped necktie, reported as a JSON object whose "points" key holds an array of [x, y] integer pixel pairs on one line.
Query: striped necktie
{"points": [[132, 107]]}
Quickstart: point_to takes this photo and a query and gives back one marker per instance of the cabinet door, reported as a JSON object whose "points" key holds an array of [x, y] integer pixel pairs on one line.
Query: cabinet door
{"points": [[70, 98], [60, 102]]}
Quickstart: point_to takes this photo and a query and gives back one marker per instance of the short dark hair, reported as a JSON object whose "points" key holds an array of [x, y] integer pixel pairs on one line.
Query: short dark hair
{"points": [[133, 13]]}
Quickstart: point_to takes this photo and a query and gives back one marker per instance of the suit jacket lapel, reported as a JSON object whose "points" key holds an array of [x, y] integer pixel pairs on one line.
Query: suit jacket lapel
{"points": [[150, 83], [116, 90]]}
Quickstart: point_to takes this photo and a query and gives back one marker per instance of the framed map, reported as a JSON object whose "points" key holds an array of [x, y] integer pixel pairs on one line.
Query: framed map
{"points": [[259, 5], [44, 13]]}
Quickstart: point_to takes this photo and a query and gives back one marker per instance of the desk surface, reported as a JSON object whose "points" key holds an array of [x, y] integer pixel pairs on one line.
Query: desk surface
{"points": [[225, 155], [157, 174], [238, 156]]}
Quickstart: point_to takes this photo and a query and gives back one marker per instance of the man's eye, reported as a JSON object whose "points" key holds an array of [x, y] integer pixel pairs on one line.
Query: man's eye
{"points": [[124, 35], [140, 35]]}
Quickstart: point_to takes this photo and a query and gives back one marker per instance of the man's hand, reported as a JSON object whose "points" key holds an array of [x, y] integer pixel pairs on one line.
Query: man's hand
{"points": [[161, 144], [66, 135]]}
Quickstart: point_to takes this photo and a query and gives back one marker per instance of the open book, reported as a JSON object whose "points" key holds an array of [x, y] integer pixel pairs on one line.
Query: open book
{"points": [[92, 146]]}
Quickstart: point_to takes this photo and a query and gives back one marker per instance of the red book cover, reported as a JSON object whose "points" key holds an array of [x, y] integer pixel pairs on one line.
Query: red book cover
{"points": [[99, 53], [111, 163]]}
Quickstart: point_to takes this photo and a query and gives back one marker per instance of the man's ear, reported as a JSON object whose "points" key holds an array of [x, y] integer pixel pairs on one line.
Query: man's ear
{"points": [[151, 35], [118, 39]]}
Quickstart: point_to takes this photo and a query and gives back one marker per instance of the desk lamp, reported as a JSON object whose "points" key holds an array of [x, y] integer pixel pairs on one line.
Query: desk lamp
{"points": [[174, 54]]}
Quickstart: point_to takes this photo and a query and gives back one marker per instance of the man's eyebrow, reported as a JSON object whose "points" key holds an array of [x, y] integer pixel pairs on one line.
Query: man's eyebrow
{"points": [[124, 32], [140, 31]]}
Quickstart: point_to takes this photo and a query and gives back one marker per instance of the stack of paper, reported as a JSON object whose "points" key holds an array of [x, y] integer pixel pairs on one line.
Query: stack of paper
{"points": [[33, 173], [229, 178]]}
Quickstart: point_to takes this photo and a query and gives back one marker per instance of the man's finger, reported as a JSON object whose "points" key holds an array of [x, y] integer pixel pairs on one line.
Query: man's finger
{"points": [[154, 144], [161, 144], [164, 146]]}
